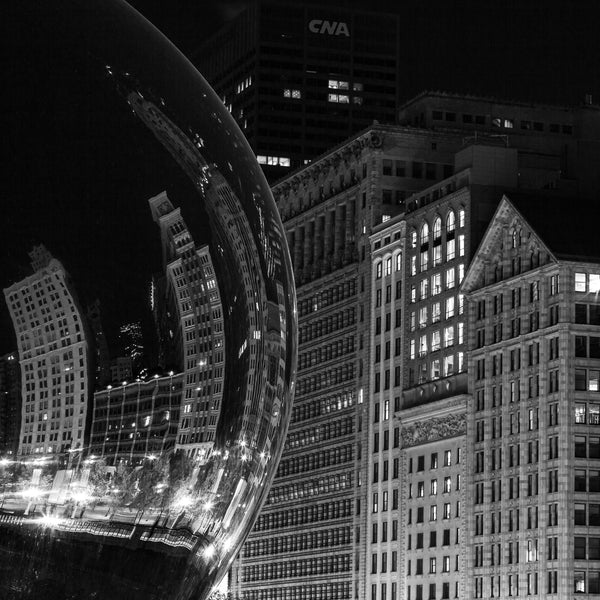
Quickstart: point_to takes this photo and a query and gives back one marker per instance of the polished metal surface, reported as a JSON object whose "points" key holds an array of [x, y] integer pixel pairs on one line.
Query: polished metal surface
{"points": [[153, 322]]}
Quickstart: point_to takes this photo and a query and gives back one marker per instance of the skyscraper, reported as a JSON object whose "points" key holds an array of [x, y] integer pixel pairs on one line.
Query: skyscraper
{"points": [[371, 496], [300, 77], [54, 356]]}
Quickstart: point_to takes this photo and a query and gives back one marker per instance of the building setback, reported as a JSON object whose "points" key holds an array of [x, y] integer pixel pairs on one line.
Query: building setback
{"points": [[54, 357], [534, 408], [300, 77]]}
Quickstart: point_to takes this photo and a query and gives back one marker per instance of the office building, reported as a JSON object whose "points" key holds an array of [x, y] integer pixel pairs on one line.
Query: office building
{"points": [[382, 230], [301, 77], [534, 406], [10, 404], [135, 421], [54, 357], [308, 539]]}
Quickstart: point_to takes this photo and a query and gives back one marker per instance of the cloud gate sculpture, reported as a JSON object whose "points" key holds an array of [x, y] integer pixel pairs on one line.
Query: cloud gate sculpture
{"points": [[147, 321]]}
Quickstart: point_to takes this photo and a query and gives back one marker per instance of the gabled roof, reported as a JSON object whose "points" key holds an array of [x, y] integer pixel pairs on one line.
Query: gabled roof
{"points": [[567, 229]]}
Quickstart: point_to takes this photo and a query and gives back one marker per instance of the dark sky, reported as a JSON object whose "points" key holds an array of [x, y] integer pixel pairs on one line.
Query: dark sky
{"points": [[55, 143], [532, 50]]}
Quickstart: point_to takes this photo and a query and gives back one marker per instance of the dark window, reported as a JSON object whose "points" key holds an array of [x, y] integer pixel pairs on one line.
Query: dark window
{"points": [[580, 547]]}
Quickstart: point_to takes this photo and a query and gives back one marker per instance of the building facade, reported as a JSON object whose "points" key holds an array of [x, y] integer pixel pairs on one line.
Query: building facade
{"points": [[532, 442], [54, 357], [329, 210], [394, 215], [301, 77]]}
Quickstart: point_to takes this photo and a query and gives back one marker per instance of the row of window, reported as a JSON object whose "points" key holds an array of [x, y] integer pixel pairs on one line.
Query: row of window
{"points": [[313, 513], [430, 315], [587, 282], [433, 487], [415, 592], [433, 513], [439, 282]]}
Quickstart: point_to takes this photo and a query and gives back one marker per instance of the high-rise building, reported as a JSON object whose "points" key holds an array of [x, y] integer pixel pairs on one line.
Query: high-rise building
{"points": [[10, 403], [300, 77], [425, 378], [329, 209], [534, 407], [54, 356], [382, 230]]}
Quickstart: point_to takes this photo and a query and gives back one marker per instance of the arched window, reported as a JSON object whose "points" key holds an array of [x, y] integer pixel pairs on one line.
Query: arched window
{"points": [[450, 222], [515, 239], [424, 233], [437, 228], [379, 269]]}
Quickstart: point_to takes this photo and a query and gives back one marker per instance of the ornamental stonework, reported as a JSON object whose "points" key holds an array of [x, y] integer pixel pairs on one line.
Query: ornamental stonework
{"points": [[434, 429]]}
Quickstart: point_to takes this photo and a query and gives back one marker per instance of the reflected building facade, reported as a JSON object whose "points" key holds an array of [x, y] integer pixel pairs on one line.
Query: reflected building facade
{"points": [[135, 421], [193, 295], [54, 356], [10, 404]]}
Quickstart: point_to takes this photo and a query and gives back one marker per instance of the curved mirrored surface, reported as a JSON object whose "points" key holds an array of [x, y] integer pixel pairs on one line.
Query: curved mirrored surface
{"points": [[147, 324]]}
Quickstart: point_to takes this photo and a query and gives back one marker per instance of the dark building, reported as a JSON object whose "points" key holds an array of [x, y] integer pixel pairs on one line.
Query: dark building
{"points": [[10, 403], [300, 78]]}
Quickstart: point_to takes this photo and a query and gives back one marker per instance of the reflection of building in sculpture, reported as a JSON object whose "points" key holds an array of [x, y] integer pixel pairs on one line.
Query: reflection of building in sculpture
{"points": [[134, 421], [10, 403], [194, 294], [248, 312], [102, 356], [132, 345], [54, 358]]}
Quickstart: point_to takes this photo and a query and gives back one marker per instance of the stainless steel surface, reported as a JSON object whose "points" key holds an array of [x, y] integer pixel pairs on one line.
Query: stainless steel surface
{"points": [[150, 205]]}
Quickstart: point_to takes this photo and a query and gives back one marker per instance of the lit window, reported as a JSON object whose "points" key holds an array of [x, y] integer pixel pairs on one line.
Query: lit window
{"points": [[461, 217], [580, 282], [437, 228], [435, 341], [450, 222], [398, 262], [450, 278], [436, 284], [413, 239], [424, 234], [339, 98], [448, 336]]}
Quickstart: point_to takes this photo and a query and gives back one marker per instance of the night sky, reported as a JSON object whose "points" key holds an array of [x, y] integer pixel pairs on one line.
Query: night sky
{"points": [[543, 51], [69, 178]]}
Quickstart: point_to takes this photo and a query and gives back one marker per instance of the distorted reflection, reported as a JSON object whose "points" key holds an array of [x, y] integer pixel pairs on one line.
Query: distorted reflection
{"points": [[152, 474]]}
